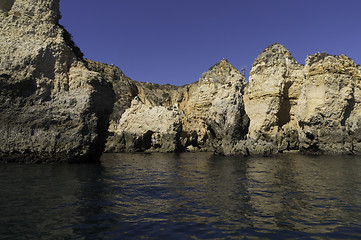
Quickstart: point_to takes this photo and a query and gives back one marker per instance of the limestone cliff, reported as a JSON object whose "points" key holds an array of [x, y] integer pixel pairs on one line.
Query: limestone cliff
{"points": [[271, 97], [52, 108], [146, 128], [57, 106], [212, 109], [207, 115], [328, 106], [312, 108], [285, 106]]}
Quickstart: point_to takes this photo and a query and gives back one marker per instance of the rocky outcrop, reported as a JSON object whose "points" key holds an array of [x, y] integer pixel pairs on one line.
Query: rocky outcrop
{"points": [[271, 97], [146, 128], [207, 115], [311, 109], [286, 106], [328, 107], [212, 109], [52, 107], [142, 118], [125, 89]]}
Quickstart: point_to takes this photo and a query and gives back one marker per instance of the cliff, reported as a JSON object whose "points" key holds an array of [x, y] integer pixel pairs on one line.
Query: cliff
{"points": [[311, 108], [52, 107], [285, 106], [212, 109], [207, 115], [56, 106]]}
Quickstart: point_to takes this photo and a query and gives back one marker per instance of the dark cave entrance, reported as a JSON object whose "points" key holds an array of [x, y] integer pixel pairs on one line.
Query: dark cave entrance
{"points": [[283, 114]]}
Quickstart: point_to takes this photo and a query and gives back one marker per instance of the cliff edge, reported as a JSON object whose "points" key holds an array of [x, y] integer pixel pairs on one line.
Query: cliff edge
{"points": [[52, 108]]}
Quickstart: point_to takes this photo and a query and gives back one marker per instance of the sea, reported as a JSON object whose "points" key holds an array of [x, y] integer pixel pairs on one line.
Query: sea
{"points": [[184, 196]]}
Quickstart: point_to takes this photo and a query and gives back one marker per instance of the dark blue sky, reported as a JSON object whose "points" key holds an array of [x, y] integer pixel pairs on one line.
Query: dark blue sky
{"points": [[175, 41]]}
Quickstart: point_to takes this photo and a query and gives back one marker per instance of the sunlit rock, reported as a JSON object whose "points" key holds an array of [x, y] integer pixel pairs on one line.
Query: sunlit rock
{"points": [[52, 108]]}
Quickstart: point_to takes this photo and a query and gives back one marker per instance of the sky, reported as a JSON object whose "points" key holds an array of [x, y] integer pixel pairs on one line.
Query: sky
{"points": [[175, 41]]}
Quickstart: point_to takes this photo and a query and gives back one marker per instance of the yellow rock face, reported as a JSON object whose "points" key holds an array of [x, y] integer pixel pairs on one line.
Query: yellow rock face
{"points": [[312, 108]]}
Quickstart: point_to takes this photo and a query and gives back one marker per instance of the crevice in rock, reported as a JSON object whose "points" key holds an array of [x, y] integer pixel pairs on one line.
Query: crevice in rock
{"points": [[102, 105], [312, 149], [285, 106], [4, 76], [189, 139], [349, 108], [244, 129], [145, 142], [310, 136], [23, 89], [179, 146]]}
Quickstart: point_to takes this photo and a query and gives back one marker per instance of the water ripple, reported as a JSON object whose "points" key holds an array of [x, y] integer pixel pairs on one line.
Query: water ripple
{"points": [[184, 196]]}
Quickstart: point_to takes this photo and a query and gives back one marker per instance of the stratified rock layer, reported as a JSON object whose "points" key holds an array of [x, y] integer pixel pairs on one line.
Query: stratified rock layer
{"points": [[52, 108]]}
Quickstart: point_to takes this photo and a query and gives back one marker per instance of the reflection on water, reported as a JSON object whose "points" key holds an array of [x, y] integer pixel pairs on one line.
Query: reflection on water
{"points": [[181, 196]]}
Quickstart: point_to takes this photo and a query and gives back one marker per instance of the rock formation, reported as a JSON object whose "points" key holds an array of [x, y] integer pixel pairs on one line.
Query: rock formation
{"points": [[212, 109], [328, 106], [207, 115], [52, 108], [286, 106], [145, 128], [57, 106], [271, 96], [312, 108]]}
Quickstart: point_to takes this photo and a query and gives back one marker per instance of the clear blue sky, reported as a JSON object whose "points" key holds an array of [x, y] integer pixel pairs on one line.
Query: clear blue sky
{"points": [[175, 41]]}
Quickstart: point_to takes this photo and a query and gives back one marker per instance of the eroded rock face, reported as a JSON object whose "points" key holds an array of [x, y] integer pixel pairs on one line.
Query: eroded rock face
{"points": [[207, 115], [287, 107], [212, 109], [142, 118], [56, 106], [52, 108], [312, 108], [326, 104], [271, 96], [125, 89], [146, 128]]}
